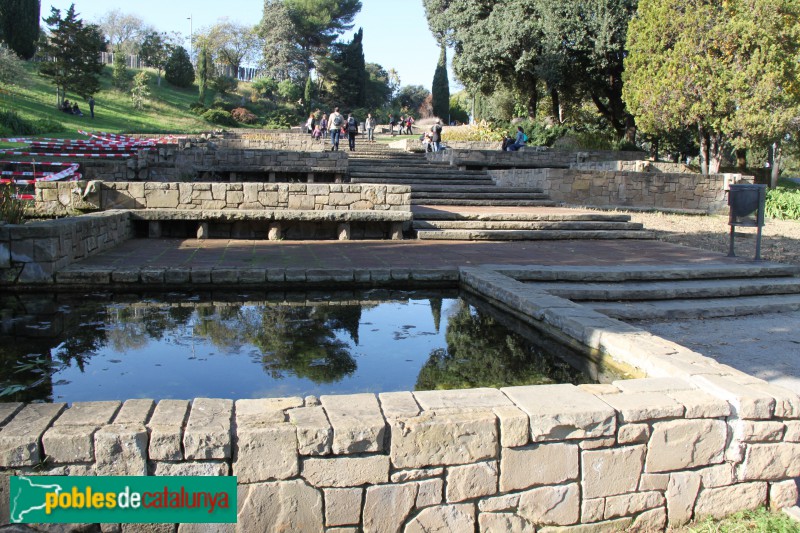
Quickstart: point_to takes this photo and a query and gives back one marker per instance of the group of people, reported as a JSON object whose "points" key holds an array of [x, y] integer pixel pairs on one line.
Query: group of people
{"points": [[432, 140], [403, 124], [73, 109], [512, 144], [337, 126]]}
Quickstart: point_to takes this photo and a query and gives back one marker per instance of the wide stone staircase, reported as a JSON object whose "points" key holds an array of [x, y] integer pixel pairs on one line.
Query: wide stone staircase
{"points": [[453, 204], [675, 292]]}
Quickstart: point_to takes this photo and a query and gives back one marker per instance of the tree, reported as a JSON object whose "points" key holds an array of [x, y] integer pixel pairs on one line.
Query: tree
{"points": [[119, 72], [377, 90], [411, 97], [349, 74], [308, 94], [155, 51], [72, 54], [11, 70], [203, 67], [179, 70], [728, 70], [441, 86], [300, 32], [231, 44], [140, 91], [124, 31], [19, 25]]}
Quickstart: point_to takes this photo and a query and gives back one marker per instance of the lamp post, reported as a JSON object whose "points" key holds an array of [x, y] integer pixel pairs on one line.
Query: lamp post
{"points": [[191, 36]]}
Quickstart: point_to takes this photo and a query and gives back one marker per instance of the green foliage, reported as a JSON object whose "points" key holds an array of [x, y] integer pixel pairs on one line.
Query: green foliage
{"points": [[140, 91], [410, 97], [11, 71], [219, 116], [289, 91], [231, 43], [760, 520], [12, 210], [280, 119], [783, 203], [179, 70], [265, 87], [440, 89], [308, 94], [72, 48], [19, 25], [119, 71], [155, 51], [224, 84], [203, 64], [16, 125], [349, 80], [243, 115]]}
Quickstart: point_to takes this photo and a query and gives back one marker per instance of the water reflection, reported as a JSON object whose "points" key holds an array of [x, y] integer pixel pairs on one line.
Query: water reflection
{"points": [[183, 346]]}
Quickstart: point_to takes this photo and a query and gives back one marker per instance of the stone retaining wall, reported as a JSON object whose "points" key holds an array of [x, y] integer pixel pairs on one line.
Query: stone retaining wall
{"points": [[57, 198], [527, 157], [641, 190], [33, 252], [635, 166]]}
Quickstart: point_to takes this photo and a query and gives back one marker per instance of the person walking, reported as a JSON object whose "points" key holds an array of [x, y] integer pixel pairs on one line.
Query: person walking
{"points": [[369, 124], [352, 131], [391, 124], [323, 125], [91, 106], [336, 122], [436, 135]]}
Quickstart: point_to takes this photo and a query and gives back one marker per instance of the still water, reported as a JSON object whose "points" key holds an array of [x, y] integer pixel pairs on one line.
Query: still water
{"points": [[105, 347]]}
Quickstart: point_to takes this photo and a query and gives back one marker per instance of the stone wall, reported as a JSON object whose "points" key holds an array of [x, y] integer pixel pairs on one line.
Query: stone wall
{"points": [[635, 166], [640, 190], [528, 157], [33, 252], [55, 197]]}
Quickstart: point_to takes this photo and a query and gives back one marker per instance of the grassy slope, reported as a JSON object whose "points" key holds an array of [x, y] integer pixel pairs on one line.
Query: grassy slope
{"points": [[168, 109]]}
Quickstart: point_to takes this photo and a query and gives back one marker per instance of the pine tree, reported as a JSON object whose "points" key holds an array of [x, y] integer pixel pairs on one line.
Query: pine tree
{"points": [[441, 87], [119, 73], [202, 74], [19, 25], [72, 51], [179, 70]]}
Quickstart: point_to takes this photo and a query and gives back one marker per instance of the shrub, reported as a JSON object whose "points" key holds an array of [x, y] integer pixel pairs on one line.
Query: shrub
{"points": [[243, 115], [224, 84], [218, 116], [197, 108], [783, 203], [140, 91], [279, 120], [16, 125], [11, 209], [179, 70]]}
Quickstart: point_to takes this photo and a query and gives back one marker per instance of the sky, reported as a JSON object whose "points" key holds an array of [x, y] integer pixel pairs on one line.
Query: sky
{"points": [[396, 33]]}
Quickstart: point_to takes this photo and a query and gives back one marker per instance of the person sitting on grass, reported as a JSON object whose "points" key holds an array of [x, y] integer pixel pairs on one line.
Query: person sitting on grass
{"points": [[76, 110]]}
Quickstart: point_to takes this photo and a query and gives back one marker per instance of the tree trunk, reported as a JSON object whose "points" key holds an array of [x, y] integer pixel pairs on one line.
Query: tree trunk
{"points": [[704, 141], [630, 129], [654, 150], [533, 103], [775, 170], [556, 101], [714, 152], [741, 158]]}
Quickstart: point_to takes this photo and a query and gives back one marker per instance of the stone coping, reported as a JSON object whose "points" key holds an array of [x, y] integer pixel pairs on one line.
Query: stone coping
{"points": [[318, 215]]}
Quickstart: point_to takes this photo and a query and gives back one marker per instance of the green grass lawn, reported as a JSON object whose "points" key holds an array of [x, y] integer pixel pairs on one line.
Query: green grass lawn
{"points": [[167, 110], [759, 521]]}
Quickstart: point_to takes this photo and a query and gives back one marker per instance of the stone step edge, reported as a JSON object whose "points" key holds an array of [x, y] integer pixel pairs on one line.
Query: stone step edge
{"points": [[532, 235], [522, 225], [448, 216], [699, 308]]}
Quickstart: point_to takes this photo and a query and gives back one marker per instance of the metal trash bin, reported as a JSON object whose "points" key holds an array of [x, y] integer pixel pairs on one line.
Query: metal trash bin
{"points": [[745, 199]]}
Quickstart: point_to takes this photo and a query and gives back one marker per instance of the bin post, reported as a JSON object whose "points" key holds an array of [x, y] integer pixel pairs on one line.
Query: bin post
{"points": [[744, 200]]}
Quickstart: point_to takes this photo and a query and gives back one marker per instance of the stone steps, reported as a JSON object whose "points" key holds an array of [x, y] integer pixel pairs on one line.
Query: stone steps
{"points": [[523, 225], [461, 194], [698, 308], [492, 189], [531, 235], [421, 213], [487, 202], [425, 182]]}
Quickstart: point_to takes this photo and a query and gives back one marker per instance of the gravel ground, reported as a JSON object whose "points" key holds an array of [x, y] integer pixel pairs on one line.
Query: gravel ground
{"points": [[780, 240], [765, 346]]}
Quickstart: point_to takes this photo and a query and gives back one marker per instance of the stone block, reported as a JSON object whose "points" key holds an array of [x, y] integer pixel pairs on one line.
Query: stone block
{"points": [[653, 385], [429, 492], [445, 439], [770, 462], [264, 412], [717, 476], [554, 505], [266, 453], [208, 430], [459, 517], [681, 495], [643, 406], [88, 414], [611, 472], [514, 426], [166, 430], [633, 434], [787, 403], [279, 506], [135, 411], [543, 464], [682, 444], [652, 520], [398, 404], [792, 431], [314, 432], [484, 398], [747, 402], [503, 523], [69, 444], [343, 506], [414, 475], [162, 199], [471, 481], [654, 482], [783, 494], [358, 424], [631, 504], [346, 471], [724, 501], [592, 510], [595, 444], [121, 450], [8, 410], [757, 431], [191, 468], [563, 412], [506, 502], [699, 404], [19, 438], [386, 507]]}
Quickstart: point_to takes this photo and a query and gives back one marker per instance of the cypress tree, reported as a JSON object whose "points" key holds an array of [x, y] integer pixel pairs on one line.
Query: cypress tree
{"points": [[19, 25], [202, 74], [441, 87], [308, 94]]}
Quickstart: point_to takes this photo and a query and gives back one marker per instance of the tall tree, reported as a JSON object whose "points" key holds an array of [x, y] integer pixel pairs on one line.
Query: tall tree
{"points": [[351, 76], [179, 70], [124, 31], [155, 51], [73, 62], [729, 70], [308, 94], [231, 44], [19, 25], [203, 64], [440, 88], [303, 31]]}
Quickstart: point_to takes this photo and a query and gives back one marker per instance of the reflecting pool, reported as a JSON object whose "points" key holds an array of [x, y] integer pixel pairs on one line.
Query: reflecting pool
{"points": [[103, 347]]}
